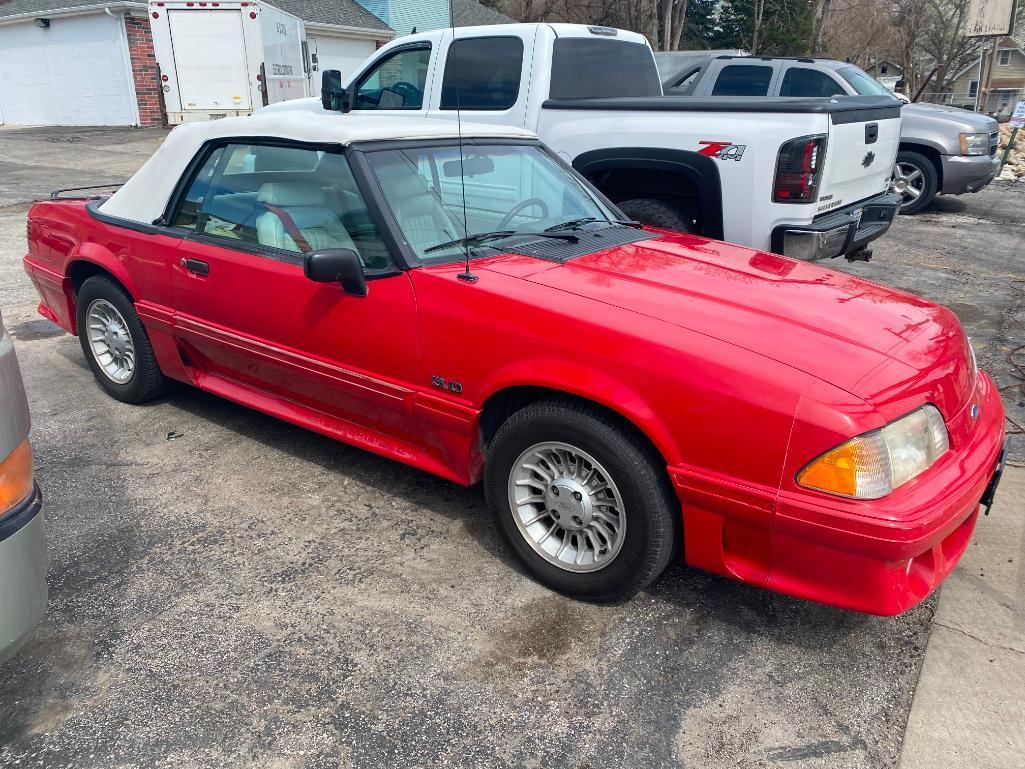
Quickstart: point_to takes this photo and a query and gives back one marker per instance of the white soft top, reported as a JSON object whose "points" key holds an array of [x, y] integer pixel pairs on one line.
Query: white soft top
{"points": [[144, 197]]}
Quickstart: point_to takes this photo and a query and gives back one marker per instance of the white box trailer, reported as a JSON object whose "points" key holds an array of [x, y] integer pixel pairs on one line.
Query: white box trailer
{"points": [[221, 59]]}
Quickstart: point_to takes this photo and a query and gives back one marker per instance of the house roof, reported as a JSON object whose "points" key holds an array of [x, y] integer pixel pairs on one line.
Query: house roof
{"points": [[345, 13], [470, 13], [39, 8]]}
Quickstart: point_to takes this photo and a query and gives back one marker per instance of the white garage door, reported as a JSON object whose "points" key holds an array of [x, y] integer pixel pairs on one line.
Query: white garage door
{"points": [[341, 53], [73, 73]]}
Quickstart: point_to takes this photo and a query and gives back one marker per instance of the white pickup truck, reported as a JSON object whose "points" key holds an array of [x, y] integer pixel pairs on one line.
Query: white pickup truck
{"points": [[803, 177]]}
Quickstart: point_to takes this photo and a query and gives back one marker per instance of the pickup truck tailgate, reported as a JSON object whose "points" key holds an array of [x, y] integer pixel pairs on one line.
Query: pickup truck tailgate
{"points": [[860, 153]]}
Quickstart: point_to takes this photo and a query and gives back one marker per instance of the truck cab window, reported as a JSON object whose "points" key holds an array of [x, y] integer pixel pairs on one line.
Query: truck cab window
{"points": [[482, 73], [683, 85], [801, 81], [586, 68], [395, 82], [743, 80]]}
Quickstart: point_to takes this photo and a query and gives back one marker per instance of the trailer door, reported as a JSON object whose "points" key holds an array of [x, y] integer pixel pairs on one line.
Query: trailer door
{"points": [[210, 59]]}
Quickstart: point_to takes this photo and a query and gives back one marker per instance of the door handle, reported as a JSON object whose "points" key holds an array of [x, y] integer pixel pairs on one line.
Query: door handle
{"points": [[197, 266], [871, 133]]}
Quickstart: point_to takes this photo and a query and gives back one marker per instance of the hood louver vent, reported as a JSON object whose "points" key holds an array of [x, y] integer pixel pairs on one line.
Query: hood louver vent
{"points": [[591, 241]]}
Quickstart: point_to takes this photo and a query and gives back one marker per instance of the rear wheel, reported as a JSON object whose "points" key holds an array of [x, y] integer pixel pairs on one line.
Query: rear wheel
{"points": [[915, 178], [583, 501], [115, 343], [657, 213]]}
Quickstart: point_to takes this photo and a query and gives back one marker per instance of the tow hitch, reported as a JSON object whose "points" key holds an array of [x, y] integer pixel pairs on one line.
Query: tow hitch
{"points": [[861, 255]]}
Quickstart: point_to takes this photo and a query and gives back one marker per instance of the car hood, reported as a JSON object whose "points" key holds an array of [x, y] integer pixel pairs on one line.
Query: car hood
{"points": [[872, 341], [966, 120]]}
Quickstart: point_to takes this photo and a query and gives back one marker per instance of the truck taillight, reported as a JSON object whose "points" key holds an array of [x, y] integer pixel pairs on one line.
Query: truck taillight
{"points": [[799, 170]]}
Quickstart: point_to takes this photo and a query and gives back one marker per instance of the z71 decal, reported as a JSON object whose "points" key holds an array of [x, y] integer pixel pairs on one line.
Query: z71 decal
{"points": [[722, 150]]}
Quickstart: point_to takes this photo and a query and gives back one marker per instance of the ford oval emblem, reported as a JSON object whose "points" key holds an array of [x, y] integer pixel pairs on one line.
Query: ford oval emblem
{"points": [[975, 411]]}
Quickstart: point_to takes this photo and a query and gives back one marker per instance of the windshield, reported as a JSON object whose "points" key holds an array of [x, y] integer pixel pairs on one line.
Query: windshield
{"points": [[864, 83], [510, 189]]}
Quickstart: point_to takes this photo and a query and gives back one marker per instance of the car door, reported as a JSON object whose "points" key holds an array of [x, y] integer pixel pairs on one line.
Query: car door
{"points": [[486, 77], [248, 322]]}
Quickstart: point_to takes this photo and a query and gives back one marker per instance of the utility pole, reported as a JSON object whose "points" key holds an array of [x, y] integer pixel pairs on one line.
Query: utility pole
{"points": [[989, 74]]}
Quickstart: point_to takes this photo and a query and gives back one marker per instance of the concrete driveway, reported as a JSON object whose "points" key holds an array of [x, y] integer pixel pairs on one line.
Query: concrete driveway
{"points": [[228, 590]]}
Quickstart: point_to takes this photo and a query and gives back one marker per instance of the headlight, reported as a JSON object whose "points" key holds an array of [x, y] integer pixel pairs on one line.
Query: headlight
{"points": [[974, 144], [874, 464]]}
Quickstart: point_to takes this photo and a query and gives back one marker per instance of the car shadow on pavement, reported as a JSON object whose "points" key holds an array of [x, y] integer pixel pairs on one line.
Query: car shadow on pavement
{"points": [[745, 607], [708, 595]]}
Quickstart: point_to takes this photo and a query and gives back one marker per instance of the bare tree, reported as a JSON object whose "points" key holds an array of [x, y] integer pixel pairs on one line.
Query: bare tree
{"points": [[944, 43], [820, 12]]}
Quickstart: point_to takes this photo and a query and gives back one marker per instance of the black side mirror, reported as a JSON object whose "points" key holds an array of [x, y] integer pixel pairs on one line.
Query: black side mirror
{"points": [[336, 265], [332, 95]]}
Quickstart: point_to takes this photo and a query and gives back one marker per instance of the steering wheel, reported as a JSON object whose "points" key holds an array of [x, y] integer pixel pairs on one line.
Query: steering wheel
{"points": [[406, 90], [528, 203]]}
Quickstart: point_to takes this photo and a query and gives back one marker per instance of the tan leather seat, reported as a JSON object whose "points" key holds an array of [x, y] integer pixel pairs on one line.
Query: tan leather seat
{"points": [[422, 217], [303, 203]]}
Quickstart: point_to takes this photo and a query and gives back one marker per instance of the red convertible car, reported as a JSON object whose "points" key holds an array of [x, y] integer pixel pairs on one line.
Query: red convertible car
{"points": [[472, 307]]}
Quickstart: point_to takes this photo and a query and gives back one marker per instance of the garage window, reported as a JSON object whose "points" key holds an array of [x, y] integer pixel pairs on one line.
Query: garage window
{"points": [[482, 73]]}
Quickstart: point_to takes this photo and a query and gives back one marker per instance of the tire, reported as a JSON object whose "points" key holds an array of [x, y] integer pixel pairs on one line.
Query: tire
{"points": [[926, 182], [144, 381], [649, 521], [657, 213]]}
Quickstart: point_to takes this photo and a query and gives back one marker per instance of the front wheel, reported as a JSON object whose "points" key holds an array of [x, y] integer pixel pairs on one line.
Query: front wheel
{"points": [[583, 501], [915, 178]]}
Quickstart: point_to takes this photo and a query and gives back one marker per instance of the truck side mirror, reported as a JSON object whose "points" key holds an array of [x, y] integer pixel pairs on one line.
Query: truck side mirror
{"points": [[332, 95], [336, 265]]}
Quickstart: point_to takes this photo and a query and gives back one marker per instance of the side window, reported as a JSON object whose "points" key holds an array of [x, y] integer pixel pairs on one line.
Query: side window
{"points": [[742, 80], [287, 198], [395, 82], [684, 85], [482, 73], [801, 81], [188, 211]]}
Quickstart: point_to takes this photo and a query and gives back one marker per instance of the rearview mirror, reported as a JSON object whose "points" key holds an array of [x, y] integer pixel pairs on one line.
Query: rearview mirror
{"points": [[336, 265], [470, 166], [332, 95]]}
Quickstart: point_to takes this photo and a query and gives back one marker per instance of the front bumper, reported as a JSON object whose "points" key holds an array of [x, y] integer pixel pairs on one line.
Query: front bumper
{"points": [[885, 556], [968, 173], [879, 556], [837, 233], [23, 590]]}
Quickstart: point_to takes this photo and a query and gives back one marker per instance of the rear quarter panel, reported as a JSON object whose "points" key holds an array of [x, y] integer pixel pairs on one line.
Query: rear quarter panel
{"points": [[63, 233]]}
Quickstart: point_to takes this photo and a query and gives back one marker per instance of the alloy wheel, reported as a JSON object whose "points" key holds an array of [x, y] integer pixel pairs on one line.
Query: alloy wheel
{"points": [[908, 180], [567, 507], [111, 341]]}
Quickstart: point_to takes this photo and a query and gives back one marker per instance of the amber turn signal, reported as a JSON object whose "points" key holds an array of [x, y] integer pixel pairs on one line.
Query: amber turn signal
{"points": [[16, 477], [872, 465]]}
